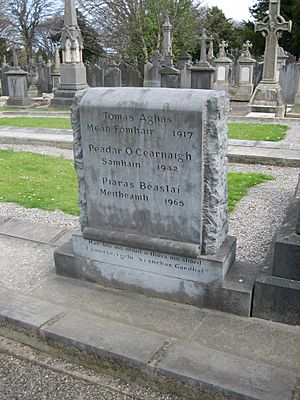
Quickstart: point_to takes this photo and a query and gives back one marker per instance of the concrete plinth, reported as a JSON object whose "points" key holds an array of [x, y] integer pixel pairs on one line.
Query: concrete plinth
{"points": [[203, 288], [268, 98]]}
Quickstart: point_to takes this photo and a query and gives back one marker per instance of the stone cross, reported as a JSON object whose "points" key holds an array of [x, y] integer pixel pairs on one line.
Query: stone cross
{"points": [[223, 46], [246, 49], [203, 41], [167, 39], [210, 53], [156, 58], [15, 57], [270, 27]]}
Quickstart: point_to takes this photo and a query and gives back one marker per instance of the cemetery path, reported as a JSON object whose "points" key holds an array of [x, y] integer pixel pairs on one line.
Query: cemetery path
{"points": [[28, 374], [133, 335]]}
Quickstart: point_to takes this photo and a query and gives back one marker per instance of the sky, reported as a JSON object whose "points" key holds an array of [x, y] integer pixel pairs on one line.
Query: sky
{"points": [[235, 9]]}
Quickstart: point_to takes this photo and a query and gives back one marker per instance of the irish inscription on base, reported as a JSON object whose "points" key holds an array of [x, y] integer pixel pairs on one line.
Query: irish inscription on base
{"points": [[143, 163]]}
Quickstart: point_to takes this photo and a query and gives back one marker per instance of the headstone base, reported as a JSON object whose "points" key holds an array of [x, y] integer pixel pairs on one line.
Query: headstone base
{"points": [[202, 77], [218, 283], [242, 93], [63, 98], [268, 98], [22, 102]]}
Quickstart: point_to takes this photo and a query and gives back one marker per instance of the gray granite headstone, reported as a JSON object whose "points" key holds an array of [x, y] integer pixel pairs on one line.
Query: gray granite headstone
{"points": [[152, 173], [144, 154]]}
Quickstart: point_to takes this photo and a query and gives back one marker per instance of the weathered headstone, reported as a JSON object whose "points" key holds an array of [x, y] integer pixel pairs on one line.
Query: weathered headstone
{"points": [[295, 111], [152, 77], [17, 85], [112, 75], [152, 173], [55, 74], [72, 71], [245, 64], [222, 65], [203, 72], [184, 64], [267, 96], [4, 83], [282, 57]]}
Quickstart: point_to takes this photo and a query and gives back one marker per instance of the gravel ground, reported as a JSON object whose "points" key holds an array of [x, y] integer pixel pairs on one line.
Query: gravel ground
{"points": [[254, 221], [26, 374]]}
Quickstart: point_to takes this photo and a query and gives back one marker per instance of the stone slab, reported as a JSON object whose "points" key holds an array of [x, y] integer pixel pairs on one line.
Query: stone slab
{"points": [[65, 237], [251, 338], [22, 229], [106, 338], [225, 374], [235, 298], [26, 312], [277, 299], [157, 315], [24, 264], [206, 269], [237, 288]]}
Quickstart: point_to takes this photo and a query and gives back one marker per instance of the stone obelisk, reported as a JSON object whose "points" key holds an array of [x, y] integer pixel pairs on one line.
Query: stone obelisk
{"points": [[267, 97], [73, 72]]}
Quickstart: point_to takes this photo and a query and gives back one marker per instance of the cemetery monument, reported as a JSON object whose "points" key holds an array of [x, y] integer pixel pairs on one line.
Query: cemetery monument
{"points": [[267, 97], [152, 173], [203, 72], [73, 72], [17, 85]]}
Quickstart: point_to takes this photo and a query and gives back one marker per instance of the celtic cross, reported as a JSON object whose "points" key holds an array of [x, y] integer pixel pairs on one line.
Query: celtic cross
{"points": [[271, 26]]}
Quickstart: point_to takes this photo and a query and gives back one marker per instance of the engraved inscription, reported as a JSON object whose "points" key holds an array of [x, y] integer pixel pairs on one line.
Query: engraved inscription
{"points": [[140, 166]]}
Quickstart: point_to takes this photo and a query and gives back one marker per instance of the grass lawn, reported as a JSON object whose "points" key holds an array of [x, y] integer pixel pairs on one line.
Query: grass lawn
{"points": [[262, 132], [239, 184], [50, 183], [37, 181], [37, 122], [265, 132]]}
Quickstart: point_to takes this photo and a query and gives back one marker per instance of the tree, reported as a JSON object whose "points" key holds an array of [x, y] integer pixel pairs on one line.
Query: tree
{"points": [[48, 34], [25, 16], [221, 28], [133, 28]]}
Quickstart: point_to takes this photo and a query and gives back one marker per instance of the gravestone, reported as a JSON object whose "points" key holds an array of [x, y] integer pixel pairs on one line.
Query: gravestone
{"points": [[222, 65], [245, 65], [184, 64], [152, 173], [95, 76], [267, 97], [170, 76], [295, 111], [112, 75], [203, 72], [4, 83], [72, 71], [17, 85], [55, 74], [152, 77]]}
